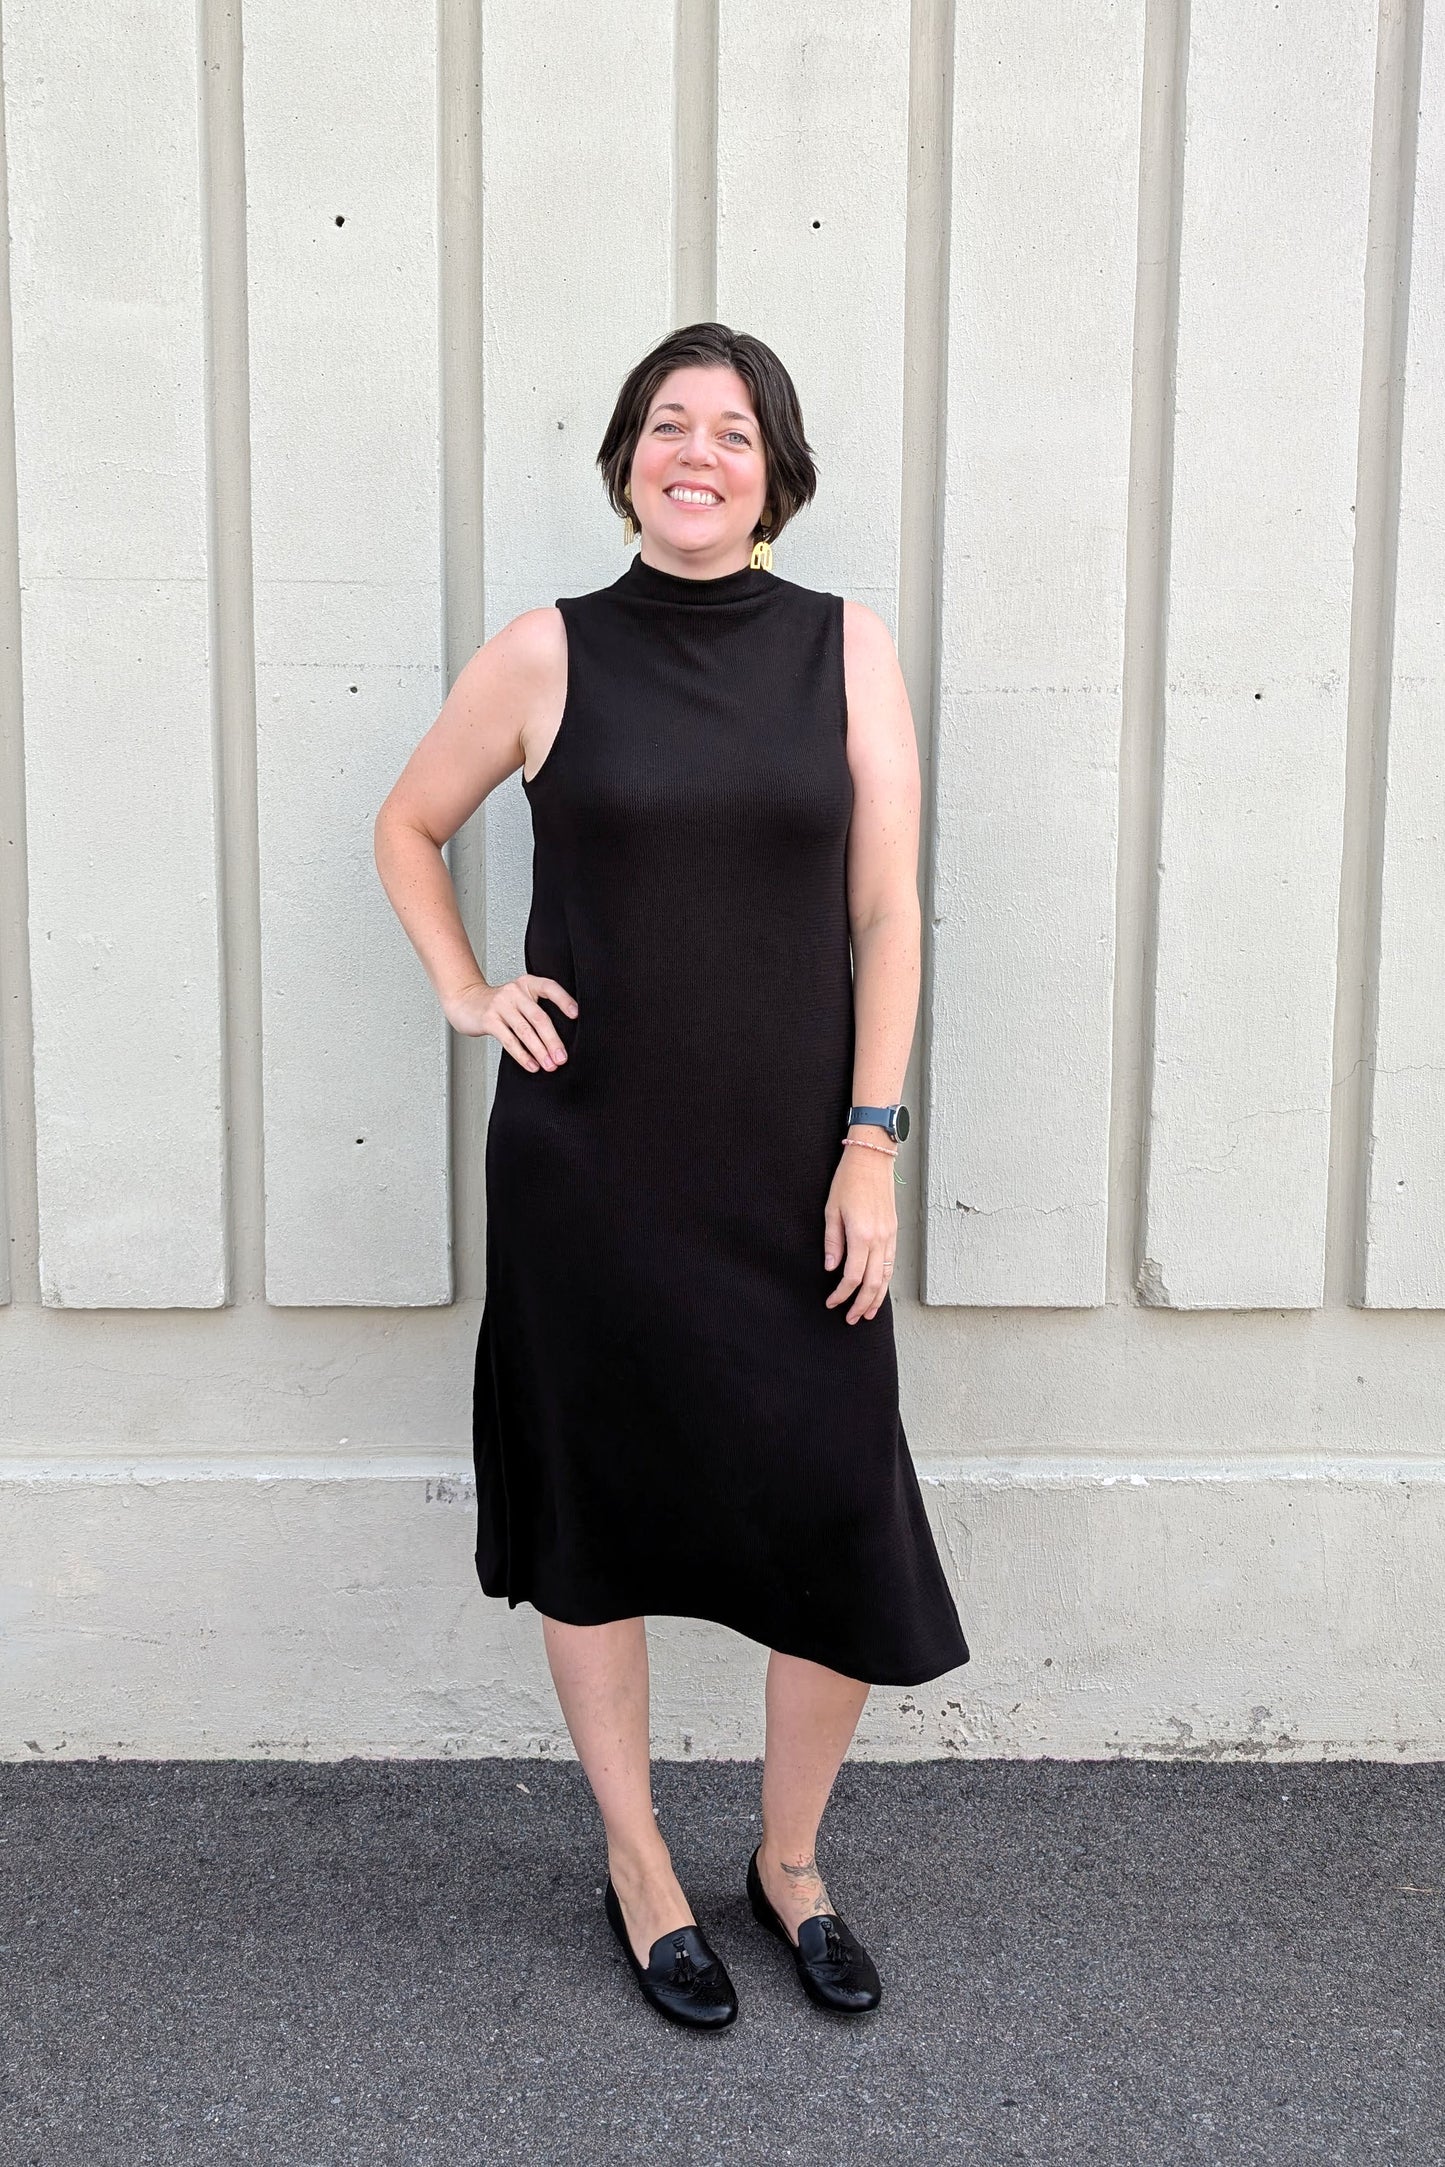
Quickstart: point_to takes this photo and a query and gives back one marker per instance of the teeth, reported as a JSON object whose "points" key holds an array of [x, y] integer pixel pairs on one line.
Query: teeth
{"points": [[682, 495]]}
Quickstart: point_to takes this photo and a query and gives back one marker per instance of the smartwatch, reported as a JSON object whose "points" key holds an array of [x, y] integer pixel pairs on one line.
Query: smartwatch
{"points": [[892, 1118]]}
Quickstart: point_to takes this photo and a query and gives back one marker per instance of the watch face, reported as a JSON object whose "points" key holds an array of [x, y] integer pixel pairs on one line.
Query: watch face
{"points": [[900, 1123]]}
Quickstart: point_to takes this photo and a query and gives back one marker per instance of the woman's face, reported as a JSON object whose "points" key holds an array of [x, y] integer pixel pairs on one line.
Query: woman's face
{"points": [[699, 472]]}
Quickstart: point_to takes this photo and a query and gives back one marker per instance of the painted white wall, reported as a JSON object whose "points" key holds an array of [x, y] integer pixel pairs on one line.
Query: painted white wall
{"points": [[1128, 411], [109, 601], [345, 471], [1271, 311]]}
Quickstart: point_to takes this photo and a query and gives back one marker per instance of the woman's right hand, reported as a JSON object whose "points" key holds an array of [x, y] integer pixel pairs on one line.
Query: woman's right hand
{"points": [[513, 1015]]}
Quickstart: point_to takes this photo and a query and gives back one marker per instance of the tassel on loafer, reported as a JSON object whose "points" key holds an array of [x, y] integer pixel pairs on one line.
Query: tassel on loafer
{"points": [[836, 1970], [683, 1977]]}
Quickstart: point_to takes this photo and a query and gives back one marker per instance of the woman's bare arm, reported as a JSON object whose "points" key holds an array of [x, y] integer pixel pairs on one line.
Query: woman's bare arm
{"points": [[883, 908], [506, 703], [860, 1220]]}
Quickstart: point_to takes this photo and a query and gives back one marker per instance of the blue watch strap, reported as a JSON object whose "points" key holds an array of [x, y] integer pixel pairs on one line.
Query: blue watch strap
{"points": [[883, 1117]]}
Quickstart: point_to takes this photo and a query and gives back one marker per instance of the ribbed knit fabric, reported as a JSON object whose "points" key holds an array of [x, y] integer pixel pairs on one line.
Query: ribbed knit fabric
{"points": [[667, 1419]]}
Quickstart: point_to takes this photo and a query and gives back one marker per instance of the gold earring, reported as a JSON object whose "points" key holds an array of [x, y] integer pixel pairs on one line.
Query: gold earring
{"points": [[762, 556], [629, 530]]}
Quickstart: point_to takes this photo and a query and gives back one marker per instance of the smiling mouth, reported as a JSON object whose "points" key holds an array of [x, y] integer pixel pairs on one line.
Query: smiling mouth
{"points": [[682, 493]]}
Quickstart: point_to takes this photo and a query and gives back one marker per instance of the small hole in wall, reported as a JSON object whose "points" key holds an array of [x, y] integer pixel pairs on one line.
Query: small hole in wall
{"points": [[361, 1139], [1259, 695], [817, 222], [340, 220], [353, 688]]}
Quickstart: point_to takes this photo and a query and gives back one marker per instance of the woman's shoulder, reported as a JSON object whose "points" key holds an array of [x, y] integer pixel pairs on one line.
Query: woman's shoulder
{"points": [[533, 634], [528, 653], [864, 629]]}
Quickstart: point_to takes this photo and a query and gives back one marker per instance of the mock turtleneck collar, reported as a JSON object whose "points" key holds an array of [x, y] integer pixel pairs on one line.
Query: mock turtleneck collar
{"points": [[655, 585]]}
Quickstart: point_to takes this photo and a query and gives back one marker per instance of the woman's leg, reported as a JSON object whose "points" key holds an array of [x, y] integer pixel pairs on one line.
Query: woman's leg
{"points": [[812, 1714], [600, 1672]]}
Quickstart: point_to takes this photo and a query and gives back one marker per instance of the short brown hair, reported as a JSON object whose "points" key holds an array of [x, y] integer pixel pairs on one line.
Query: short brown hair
{"points": [[792, 475]]}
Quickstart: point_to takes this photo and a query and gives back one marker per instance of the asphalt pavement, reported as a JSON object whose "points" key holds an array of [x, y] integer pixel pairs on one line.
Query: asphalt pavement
{"points": [[295, 1965]]}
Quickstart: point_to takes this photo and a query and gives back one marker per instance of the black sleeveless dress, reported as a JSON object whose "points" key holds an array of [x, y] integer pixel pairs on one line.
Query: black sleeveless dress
{"points": [[667, 1420]]}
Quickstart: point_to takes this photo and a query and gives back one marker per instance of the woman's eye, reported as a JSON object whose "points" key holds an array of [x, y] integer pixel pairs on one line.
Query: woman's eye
{"points": [[735, 435]]}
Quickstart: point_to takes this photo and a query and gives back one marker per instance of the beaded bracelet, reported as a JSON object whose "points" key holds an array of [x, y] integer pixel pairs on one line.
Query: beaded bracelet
{"points": [[865, 1145]]}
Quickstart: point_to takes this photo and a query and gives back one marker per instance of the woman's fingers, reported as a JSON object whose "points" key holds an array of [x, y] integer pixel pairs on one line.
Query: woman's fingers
{"points": [[523, 1025], [541, 1034], [508, 1040], [832, 1235], [885, 1276], [531, 987], [870, 1292], [521, 1036], [535, 985], [867, 1271]]}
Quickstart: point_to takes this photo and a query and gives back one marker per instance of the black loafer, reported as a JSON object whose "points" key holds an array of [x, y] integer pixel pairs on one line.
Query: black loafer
{"points": [[683, 1977], [836, 1970]]}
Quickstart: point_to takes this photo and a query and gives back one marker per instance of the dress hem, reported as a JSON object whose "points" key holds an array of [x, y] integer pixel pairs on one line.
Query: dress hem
{"points": [[731, 1625]]}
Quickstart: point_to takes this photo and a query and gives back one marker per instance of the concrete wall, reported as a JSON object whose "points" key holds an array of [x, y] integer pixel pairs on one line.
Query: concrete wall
{"points": [[1120, 334]]}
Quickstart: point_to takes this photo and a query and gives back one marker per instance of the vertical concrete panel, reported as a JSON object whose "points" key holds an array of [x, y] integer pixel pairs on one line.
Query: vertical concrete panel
{"points": [[341, 142], [101, 115], [577, 271], [1041, 300], [812, 192], [1405, 1224], [1271, 311]]}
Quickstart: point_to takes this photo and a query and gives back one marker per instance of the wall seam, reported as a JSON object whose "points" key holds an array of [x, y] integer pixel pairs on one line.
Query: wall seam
{"points": [[19, 1197], [1129, 1273], [461, 570], [694, 162], [1372, 611], [926, 309], [231, 638]]}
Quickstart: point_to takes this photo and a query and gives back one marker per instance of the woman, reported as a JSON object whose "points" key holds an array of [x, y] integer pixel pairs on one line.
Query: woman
{"points": [[686, 1395]]}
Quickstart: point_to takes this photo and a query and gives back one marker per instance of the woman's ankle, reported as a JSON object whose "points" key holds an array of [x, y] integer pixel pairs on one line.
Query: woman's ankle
{"points": [[792, 1858], [638, 1862]]}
